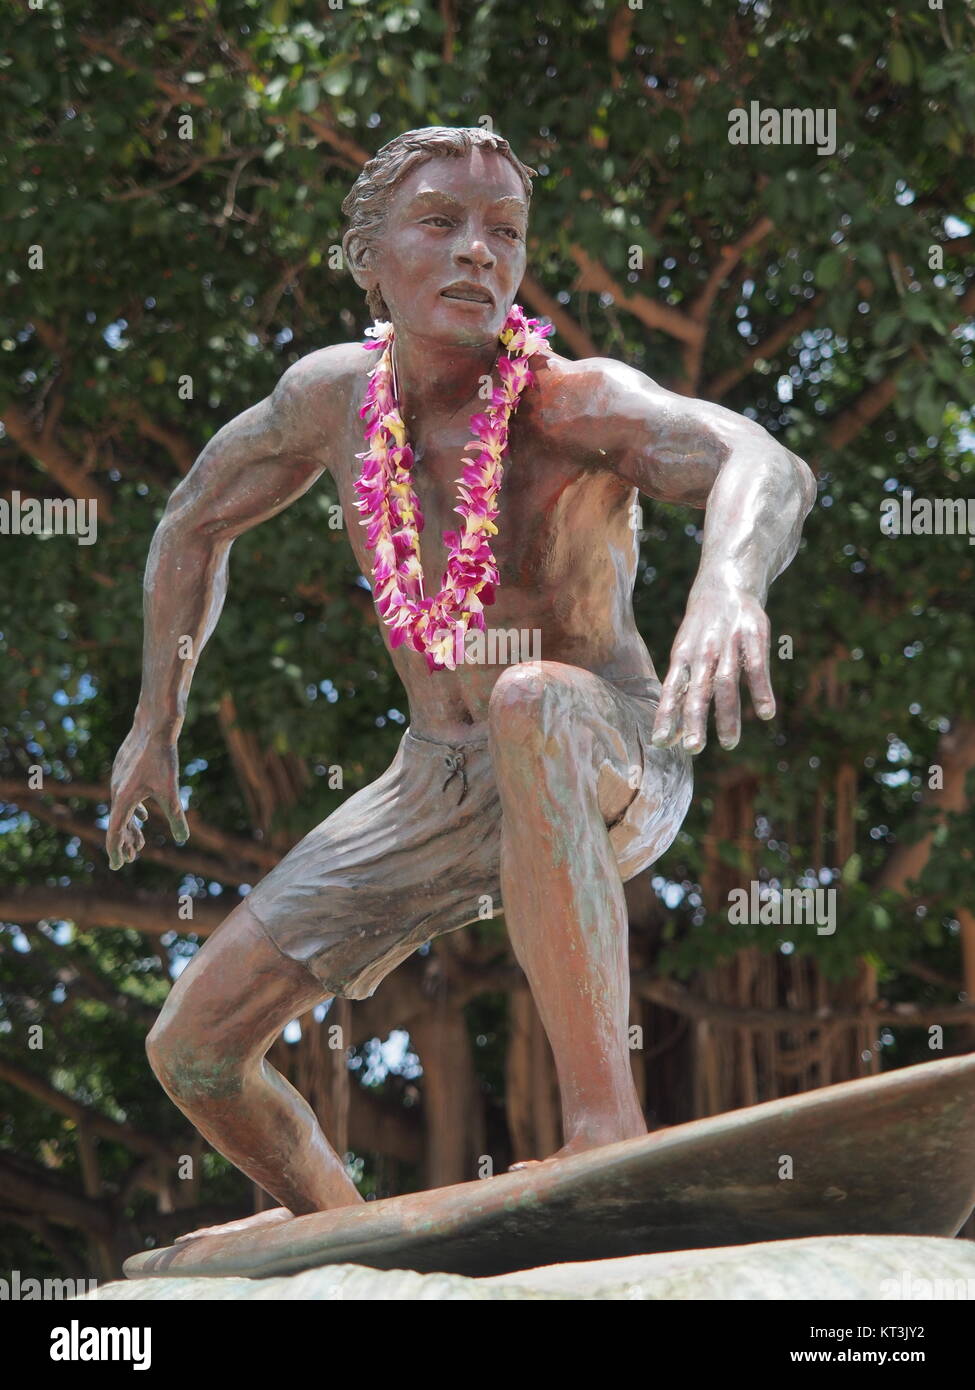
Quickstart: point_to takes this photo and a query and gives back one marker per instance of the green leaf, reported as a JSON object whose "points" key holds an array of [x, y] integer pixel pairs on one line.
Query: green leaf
{"points": [[887, 326], [929, 410], [851, 870], [829, 270], [288, 51], [308, 95], [336, 82], [900, 63], [946, 366], [417, 86], [213, 141]]}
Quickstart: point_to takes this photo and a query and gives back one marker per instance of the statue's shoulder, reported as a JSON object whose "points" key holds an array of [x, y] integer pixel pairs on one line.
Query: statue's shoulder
{"points": [[324, 372], [574, 380], [576, 398], [311, 399]]}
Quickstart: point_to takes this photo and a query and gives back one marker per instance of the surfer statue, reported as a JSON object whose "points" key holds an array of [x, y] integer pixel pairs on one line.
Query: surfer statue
{"points": [[489, 488]]}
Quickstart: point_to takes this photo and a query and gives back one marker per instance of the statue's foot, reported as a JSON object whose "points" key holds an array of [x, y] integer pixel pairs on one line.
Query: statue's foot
{"points": [[576, 1146], [247, 1223]]}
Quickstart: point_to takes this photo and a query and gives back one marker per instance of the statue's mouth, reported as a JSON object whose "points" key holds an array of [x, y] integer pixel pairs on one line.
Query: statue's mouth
{"points": [[475, 294]]}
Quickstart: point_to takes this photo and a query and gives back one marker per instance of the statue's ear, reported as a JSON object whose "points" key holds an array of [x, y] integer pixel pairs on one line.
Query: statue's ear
{"points": [[360, 258]]}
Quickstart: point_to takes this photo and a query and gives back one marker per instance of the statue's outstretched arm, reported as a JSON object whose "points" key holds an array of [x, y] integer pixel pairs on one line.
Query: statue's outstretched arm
{"points": [[253, 468]]}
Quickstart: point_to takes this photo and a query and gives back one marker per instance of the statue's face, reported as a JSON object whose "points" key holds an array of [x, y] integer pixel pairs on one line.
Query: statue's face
{"points": [[455, 227]]}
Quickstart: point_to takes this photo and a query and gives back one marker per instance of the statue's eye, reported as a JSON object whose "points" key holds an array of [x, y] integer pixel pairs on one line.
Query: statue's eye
{"points": [[438, 218]]}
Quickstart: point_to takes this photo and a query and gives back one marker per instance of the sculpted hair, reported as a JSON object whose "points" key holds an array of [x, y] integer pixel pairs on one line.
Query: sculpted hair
{"points": [[367, 202]]}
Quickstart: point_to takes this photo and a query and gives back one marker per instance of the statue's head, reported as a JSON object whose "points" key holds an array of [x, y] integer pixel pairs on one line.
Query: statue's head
{"points": [[432, 208]]}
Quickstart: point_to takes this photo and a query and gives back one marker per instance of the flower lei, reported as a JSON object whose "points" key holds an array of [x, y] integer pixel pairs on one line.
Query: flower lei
{"points": [[392, 512]]}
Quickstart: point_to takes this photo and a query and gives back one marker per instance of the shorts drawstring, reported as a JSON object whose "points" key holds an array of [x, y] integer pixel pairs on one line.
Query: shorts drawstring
{"points": [[455, 764]]}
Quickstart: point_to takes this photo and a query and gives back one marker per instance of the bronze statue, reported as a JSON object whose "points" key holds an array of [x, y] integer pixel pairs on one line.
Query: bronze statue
{"points": [[540, 786]]}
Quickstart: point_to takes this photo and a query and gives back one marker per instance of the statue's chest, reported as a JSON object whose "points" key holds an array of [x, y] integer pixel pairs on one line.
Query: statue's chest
{"points": [[437, 475], [531, 501]]}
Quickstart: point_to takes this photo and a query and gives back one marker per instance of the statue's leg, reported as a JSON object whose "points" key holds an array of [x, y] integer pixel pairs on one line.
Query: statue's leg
{"points": [[586, 802], [208, 1048], [412, 855]]}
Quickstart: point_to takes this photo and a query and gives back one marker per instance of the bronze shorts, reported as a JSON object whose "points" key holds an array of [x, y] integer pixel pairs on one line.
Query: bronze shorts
{"points": [[417, 853]]}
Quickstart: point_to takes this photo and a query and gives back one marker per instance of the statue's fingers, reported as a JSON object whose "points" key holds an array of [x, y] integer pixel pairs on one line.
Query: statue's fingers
{"points": [[668, 718], [697, 702], [115, 834], [756, 651], [727, 702], [177, 822], [141, 811]]}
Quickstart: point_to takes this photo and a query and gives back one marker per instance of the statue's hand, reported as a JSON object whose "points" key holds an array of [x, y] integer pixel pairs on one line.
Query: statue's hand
{"points": [[147, 764], [723, 631]]}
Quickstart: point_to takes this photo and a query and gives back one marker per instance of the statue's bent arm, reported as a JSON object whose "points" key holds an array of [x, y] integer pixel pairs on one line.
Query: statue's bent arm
{"points": [[757, 495]]}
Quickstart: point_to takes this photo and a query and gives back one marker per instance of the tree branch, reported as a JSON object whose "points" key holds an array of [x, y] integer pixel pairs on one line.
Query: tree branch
{"points": [[875, 400], [783, 335], [671, 995], [956, 757], [89, 908], [236, 849], [34, 1085], [33, 1190], [701, 306], [189, 863], [571, 332], [72, 964], [593, 276], [55, 460], [180, 449]]}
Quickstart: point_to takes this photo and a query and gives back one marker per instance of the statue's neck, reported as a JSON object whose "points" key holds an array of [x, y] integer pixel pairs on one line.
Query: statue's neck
{"points": [[435, 382]]}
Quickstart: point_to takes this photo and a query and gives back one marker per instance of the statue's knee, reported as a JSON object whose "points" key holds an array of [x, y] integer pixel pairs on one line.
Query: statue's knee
{"points": [[192, 1069], [521, 701]]}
